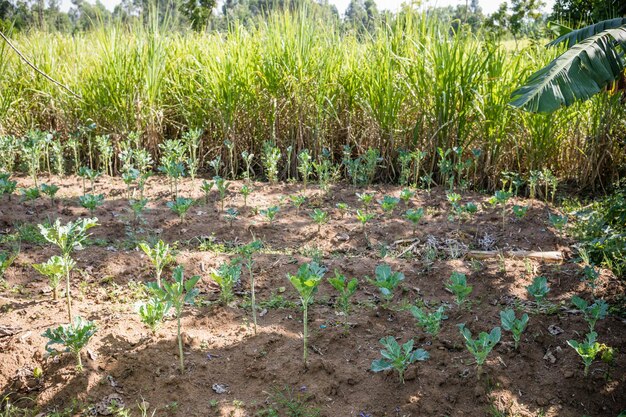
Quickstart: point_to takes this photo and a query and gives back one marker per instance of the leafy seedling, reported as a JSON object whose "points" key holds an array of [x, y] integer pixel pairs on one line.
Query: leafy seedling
{"points": [[406, 195], [7, 187], [388, 204], [222, 187], [343, 209], [30, 194], [501, 198], [73, 336], [591, 312], [297, 200], [429, 322], [520, 211], [363, 218], [514, 325], [177, 293], [6, 260], [246, 252], [270, 213], [180, 206], [482, 346], [153, 312], [245, 191], [306, 281], [137, 207], [160, 255], [387, 281], [51, 191], [305, 166], [414, 216], [53, 269], [366, 200], [458, 286], [590, 276], [91, 202], [558, 222], [397, 357], [346, 289], [588, 349], [538, 289], [319, 217], [227, 276], [206, 188], [231, 215]]}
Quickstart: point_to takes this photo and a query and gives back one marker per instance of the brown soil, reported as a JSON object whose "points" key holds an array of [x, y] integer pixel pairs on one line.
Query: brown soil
{"points": [[545, 376]]}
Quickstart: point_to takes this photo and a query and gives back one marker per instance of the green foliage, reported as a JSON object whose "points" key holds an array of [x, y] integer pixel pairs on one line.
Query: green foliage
{"points": [[30, 194], [414, 216], [270, 158], [50, 190], [388, 204], [429, 322], [362, 169], [7, 186], [160, 255], [91, 201], [343, 209], [153, 312], [270, 213], [520, 211], [387, 281], [206, 187], [227, 275], [319, 217], [346, 289], [246, 252], [6, 260], [297, 200], [458, 286], [397, 357], [591, 312], [245, 191], [482, 346], [70, 236], [514, 325], [305, 166], [365, 199], [588, 349], [53, 269], [231, 215], [406, 195], [556, 221], [222, 187], [180, 206], [538, 289], [74, 337]]}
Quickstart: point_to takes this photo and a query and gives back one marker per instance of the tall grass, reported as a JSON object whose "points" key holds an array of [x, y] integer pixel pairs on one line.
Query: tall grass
{"points": [[295, 80]]}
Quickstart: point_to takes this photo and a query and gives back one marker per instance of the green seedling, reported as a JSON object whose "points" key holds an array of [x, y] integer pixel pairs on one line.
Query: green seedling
{"points": [[346, 289], [177, 293], [305, 166], [206, 188], [470, 208], [67, 238], [270, 158], [591, 312], [153, 312], [91, 202], [30, 194], [388, 204], [587, 350], [245, 191], [73, 336], [129, 176], [458, 286], [414, 216], [6, 260], [387, 281], [481, 347], [231, 215], [297, 200], [455, 201], [306, 281], [216, 163], [270, 213], [54, 269], [538, 289], [137, 207], [363, 218], [174, 170], [397, 357], [180, 206], [51, 191], [160, 255], [343, 209], [429, 322], [247, 159], [406, 195], [246, 252], [520, 211], [501, 198], [227, 276], [222, 187], [7, 187], [319, 217], [514, 325], [366, 200], [590, 276], [558, 222]]}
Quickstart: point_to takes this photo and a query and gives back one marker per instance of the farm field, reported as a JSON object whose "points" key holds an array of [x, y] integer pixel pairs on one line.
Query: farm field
{"points": [[231, 371]]}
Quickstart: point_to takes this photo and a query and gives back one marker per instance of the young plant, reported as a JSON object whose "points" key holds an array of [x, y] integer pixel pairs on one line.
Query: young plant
{"points": [[222, 187], [346, 289], [306, 281], [206, 189], [297, 200], [501, 198], [481, 347], [153, 312], [514, 325], [538, 289], [458, 286], [247, 159], [429, 322], [406, 195], [160, 256], [319, 217], [177, 293], [245, 191], [397, 357], [180, 206], [67, 238], [366, 200], [137, 207], [414, 216], [387, 281], [388, 204], [270, 213], [590, 276], [304, 166], [231, 215], [6, 260], [587, 349], [363, 218], [520, 211], [51, 191], [30, 194], [591, 312], [343, 209], [7, 186], [227, 276], [558, 222], [53, 269], [91, 202], [271, 156], [246, 252], [73, 336]]}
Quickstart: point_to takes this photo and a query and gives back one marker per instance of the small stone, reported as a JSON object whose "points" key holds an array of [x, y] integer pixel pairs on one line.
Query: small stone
{"points": [[220, 388], [554, 330]]}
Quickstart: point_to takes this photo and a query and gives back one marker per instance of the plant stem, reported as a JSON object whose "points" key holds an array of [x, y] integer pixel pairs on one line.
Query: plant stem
{"points": [[180, 348], [67, 289], [252, 293], [305, 306]]}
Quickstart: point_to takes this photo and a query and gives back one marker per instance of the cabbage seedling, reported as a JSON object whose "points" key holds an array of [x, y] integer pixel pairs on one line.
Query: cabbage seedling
{"points": [[591, 312], [343, 209], [270, 213], [246, 253], [514, 325], [429, 322], [67, 238], [137, 207], [482, 346], [153, 312], [319, 217], [538, 289], [587, 349], [346, 289], [388, 204], [160, 255], [245, 191], [366, 200], [222, 187], [91, 202], [397, 357], [54, 269], [177, 293], [458, 286], [305, 281], [231, 215], [51, 191], [304, 166], [387, 281], [364, 217], [406, 195], [30, 194], [180, 206], [206, 189], [74, 337], [414, 216], [227, 276], [520, 211], [297, 200]]}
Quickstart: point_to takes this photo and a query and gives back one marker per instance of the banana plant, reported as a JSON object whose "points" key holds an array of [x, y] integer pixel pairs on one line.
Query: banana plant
{"points": [[397, 357]]}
